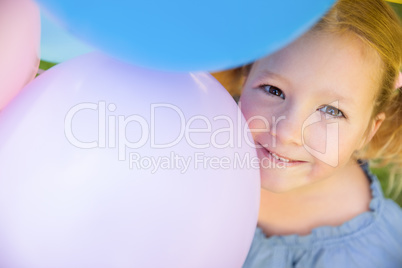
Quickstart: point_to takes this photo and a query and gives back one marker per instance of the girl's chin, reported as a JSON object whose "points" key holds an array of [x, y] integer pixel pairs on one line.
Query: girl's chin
{"points": [[280, 185], [281, 179]]}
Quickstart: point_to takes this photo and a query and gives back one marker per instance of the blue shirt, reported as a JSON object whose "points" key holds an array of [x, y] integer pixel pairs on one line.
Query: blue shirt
{"points": [[371, 239]]}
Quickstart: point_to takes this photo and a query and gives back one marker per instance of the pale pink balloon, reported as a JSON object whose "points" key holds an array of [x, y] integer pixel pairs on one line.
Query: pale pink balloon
{"points": [[19, 46], [80, 183]]}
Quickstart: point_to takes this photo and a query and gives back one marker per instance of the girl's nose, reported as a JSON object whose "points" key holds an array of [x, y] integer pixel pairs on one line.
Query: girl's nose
{"points": [[287, 127]]}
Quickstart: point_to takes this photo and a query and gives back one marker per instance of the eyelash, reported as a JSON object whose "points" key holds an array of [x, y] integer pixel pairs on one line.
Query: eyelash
{"points": [[327, 109], [335, 112], [275, 91]]}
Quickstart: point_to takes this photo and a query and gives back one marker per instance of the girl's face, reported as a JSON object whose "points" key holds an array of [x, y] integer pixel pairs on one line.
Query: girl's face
{"points": [[309, 106]]}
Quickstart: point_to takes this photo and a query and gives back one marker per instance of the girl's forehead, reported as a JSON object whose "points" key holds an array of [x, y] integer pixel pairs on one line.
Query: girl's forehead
{"points": [[323, 54], [340, 63]]}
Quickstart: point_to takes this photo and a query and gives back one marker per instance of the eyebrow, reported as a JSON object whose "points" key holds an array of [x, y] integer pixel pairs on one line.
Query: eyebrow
{"points": [[264, 73], [337, 97], [269, 73]]}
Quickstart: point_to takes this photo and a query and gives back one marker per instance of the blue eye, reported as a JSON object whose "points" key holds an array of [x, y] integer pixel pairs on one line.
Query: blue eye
{"points": [[332, 111], [273, 91]]}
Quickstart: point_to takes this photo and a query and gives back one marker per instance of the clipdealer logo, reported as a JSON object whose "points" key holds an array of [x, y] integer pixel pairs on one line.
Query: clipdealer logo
{"points": [[112, 129], [112, 133]]}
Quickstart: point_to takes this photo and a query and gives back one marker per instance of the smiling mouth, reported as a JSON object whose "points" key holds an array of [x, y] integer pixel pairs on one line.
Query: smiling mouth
{"points": [[277, 157], [280, 158]]}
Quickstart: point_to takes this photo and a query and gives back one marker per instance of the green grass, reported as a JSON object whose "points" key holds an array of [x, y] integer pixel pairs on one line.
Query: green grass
{"points": [[44, 65], [390, 191], [397, 8]]}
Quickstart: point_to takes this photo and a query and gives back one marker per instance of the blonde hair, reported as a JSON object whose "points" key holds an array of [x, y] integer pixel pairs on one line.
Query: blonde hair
{"points": [[377, 25]]}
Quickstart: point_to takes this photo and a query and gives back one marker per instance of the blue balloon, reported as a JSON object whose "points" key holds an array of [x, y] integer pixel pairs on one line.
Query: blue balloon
{"points": [[183, 35], [56, 44]]}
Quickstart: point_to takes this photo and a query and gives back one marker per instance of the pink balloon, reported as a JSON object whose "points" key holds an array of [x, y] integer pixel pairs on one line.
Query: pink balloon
{"points": [[78, 187], [19, 46]]}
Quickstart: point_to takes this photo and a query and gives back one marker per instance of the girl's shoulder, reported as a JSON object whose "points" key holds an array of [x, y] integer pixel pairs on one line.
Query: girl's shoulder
{"points": [[371, 239]]}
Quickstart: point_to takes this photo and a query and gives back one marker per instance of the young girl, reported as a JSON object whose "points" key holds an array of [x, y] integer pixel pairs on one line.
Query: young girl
{"points": [[319, 109]]}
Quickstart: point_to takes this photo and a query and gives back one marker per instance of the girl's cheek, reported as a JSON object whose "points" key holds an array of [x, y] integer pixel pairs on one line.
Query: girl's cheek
{"points": [[256, 117], [258, 124], [349, 141], [315, 137], [321, 140]]}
